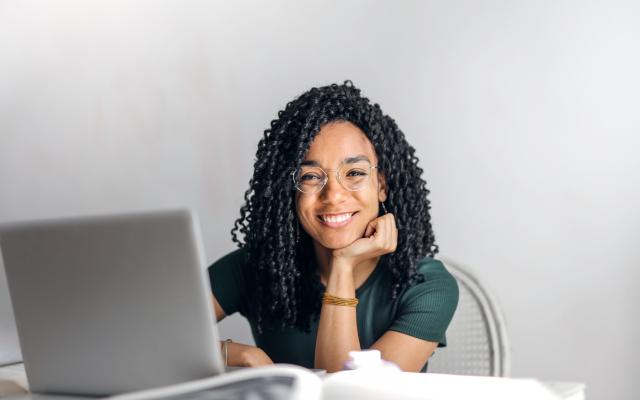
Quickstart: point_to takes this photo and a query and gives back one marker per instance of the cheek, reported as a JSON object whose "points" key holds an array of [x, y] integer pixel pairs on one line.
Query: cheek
{"points": [[304, 210], [369, 201]]}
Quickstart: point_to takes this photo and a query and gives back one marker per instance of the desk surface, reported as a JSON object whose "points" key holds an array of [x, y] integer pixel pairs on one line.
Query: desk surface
{"points": [[13, 384]]}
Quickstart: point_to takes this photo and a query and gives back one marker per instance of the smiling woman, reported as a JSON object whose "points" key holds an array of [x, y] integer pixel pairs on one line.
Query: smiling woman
{"points": [[337, 248]]}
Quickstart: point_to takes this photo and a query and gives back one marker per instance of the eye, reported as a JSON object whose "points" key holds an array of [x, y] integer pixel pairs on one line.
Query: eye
{"points": [[356, 173], [310, 177]]}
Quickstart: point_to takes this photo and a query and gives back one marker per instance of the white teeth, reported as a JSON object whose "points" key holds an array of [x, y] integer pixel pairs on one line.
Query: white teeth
{"points": [[336, 218]]}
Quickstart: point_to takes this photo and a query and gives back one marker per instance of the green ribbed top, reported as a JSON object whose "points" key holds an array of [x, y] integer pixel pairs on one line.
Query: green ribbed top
{"points": [[423, 310]]}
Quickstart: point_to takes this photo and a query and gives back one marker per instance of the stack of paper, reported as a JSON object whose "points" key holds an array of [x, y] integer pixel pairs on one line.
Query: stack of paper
{"points": [[383, 385]]}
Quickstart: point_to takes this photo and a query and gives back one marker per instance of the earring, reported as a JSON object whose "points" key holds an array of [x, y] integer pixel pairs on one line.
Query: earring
{"points": [[297, 231], [383, 207]]}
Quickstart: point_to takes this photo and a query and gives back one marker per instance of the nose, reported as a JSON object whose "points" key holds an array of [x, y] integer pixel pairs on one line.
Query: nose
{"points": [[333, 192]]}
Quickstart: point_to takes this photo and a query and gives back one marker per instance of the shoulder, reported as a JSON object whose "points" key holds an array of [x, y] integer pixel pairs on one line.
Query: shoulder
{"points": [[434, 270], [426, 307], [232, 268], [235, 258], [437, 288]]}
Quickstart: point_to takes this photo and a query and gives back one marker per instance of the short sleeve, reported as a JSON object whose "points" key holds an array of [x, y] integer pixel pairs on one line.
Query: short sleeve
{"points": [[426, 308], [228, 281]]}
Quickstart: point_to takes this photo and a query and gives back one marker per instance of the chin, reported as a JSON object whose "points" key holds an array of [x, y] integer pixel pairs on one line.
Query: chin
{"points": [[335, 245], [338, 243]]}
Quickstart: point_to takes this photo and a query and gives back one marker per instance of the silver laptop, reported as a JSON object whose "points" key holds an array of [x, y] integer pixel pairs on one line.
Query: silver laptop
{"points": [[108, 305]]}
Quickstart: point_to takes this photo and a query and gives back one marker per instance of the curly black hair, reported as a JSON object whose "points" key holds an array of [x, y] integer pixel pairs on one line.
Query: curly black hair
{"points": [[287, 290]]}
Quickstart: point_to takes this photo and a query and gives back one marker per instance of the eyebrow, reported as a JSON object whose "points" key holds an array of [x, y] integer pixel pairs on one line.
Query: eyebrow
{"points": [[348, 160]]}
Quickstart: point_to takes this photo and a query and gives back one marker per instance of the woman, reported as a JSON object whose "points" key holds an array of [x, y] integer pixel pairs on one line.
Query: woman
{"points": [[338, 245]]}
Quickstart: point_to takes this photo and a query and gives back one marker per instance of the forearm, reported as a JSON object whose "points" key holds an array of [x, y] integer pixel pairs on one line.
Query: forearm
{"points": [[234, 354], [242, 355], [337, 328]]}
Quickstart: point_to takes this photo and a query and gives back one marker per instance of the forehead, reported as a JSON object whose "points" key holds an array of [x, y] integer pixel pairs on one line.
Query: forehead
{"points": [[337, 141]]}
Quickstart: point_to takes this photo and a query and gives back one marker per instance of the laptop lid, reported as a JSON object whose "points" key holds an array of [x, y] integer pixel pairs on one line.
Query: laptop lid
{"points": [[107, 305]]}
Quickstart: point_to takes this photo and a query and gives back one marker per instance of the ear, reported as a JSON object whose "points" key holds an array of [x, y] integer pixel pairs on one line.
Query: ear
{"points": [[382, 187]]}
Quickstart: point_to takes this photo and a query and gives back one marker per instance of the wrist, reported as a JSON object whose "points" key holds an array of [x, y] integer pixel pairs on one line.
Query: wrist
{"points": [[341, 281], [341, 274], [342, 265], [225, 350]]}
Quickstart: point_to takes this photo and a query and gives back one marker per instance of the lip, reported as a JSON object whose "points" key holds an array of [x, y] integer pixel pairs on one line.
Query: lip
{"points": [[337, 224]]}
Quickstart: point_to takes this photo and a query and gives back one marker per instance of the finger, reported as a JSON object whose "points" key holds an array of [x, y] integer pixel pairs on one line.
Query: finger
{"points": [[368, 232], [389, 234], [382, 229], [386, 234], [392, 218], [372, 227], [393, 233], [394, 239], [382, 233]]}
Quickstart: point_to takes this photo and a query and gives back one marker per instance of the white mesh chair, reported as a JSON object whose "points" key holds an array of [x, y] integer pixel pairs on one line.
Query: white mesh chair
{"points": [[477, 342]]}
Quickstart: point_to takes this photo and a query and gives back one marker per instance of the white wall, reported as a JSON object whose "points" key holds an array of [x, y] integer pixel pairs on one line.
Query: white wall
{"points": [[525, 116]]}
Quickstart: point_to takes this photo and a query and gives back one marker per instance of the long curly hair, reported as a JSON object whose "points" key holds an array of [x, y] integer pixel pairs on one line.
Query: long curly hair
{"points": [[286, 287]]}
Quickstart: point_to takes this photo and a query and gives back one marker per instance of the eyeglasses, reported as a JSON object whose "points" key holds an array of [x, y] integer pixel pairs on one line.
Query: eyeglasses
{"points": [[353, 176]]}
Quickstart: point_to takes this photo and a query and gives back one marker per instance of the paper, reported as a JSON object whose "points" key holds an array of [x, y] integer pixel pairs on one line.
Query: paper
{"points": [[370, 385]]}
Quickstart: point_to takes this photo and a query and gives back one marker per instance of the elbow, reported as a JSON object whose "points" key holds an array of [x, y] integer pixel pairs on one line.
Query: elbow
{"points": [[319, 364], [330, 366], [333, 368]]}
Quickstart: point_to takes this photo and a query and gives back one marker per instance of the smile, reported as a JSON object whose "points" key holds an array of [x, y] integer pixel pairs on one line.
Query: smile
{"points": [[336, 220]]}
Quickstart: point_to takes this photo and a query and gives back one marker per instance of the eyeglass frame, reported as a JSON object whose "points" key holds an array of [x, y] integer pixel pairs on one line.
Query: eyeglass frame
{"points": [[295, 185]]}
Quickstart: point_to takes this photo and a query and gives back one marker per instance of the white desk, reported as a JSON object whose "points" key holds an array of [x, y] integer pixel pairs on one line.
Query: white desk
{"points": [[13, 384]]}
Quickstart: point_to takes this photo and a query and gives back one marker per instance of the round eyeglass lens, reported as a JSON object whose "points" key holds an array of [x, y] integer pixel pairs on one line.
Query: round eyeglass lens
{"points": [[309, 179], [355, 176], [352, 176]]}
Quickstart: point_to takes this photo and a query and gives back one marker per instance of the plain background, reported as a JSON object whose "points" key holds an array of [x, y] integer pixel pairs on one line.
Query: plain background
{"points": [[525, 116]]}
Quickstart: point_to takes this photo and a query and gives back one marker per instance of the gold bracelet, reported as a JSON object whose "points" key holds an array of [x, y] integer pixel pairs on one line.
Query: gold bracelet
{"points": [[225, 350], [338, 301]]}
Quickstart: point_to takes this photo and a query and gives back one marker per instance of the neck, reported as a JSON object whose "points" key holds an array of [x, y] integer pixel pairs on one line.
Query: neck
{"points": [[324, 258]]}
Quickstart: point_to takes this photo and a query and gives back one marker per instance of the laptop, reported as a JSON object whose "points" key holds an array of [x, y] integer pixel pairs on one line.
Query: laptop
{"points": [[118, 304]]}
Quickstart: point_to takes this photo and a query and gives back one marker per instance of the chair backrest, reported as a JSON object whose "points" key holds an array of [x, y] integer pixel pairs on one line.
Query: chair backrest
{"points": [[477, 342]]}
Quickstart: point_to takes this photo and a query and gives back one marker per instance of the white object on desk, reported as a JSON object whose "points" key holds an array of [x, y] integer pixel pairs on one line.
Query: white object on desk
{"points": [[368, 359], [404, 386], [365, 385]]}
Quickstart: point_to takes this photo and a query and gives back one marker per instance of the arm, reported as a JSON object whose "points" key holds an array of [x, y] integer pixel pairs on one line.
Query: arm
{"points": [[240, 355], [425, 312], [217, 308], [408, 352], [228, 283], [337, 330], [337, 327], [338, 333]]}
